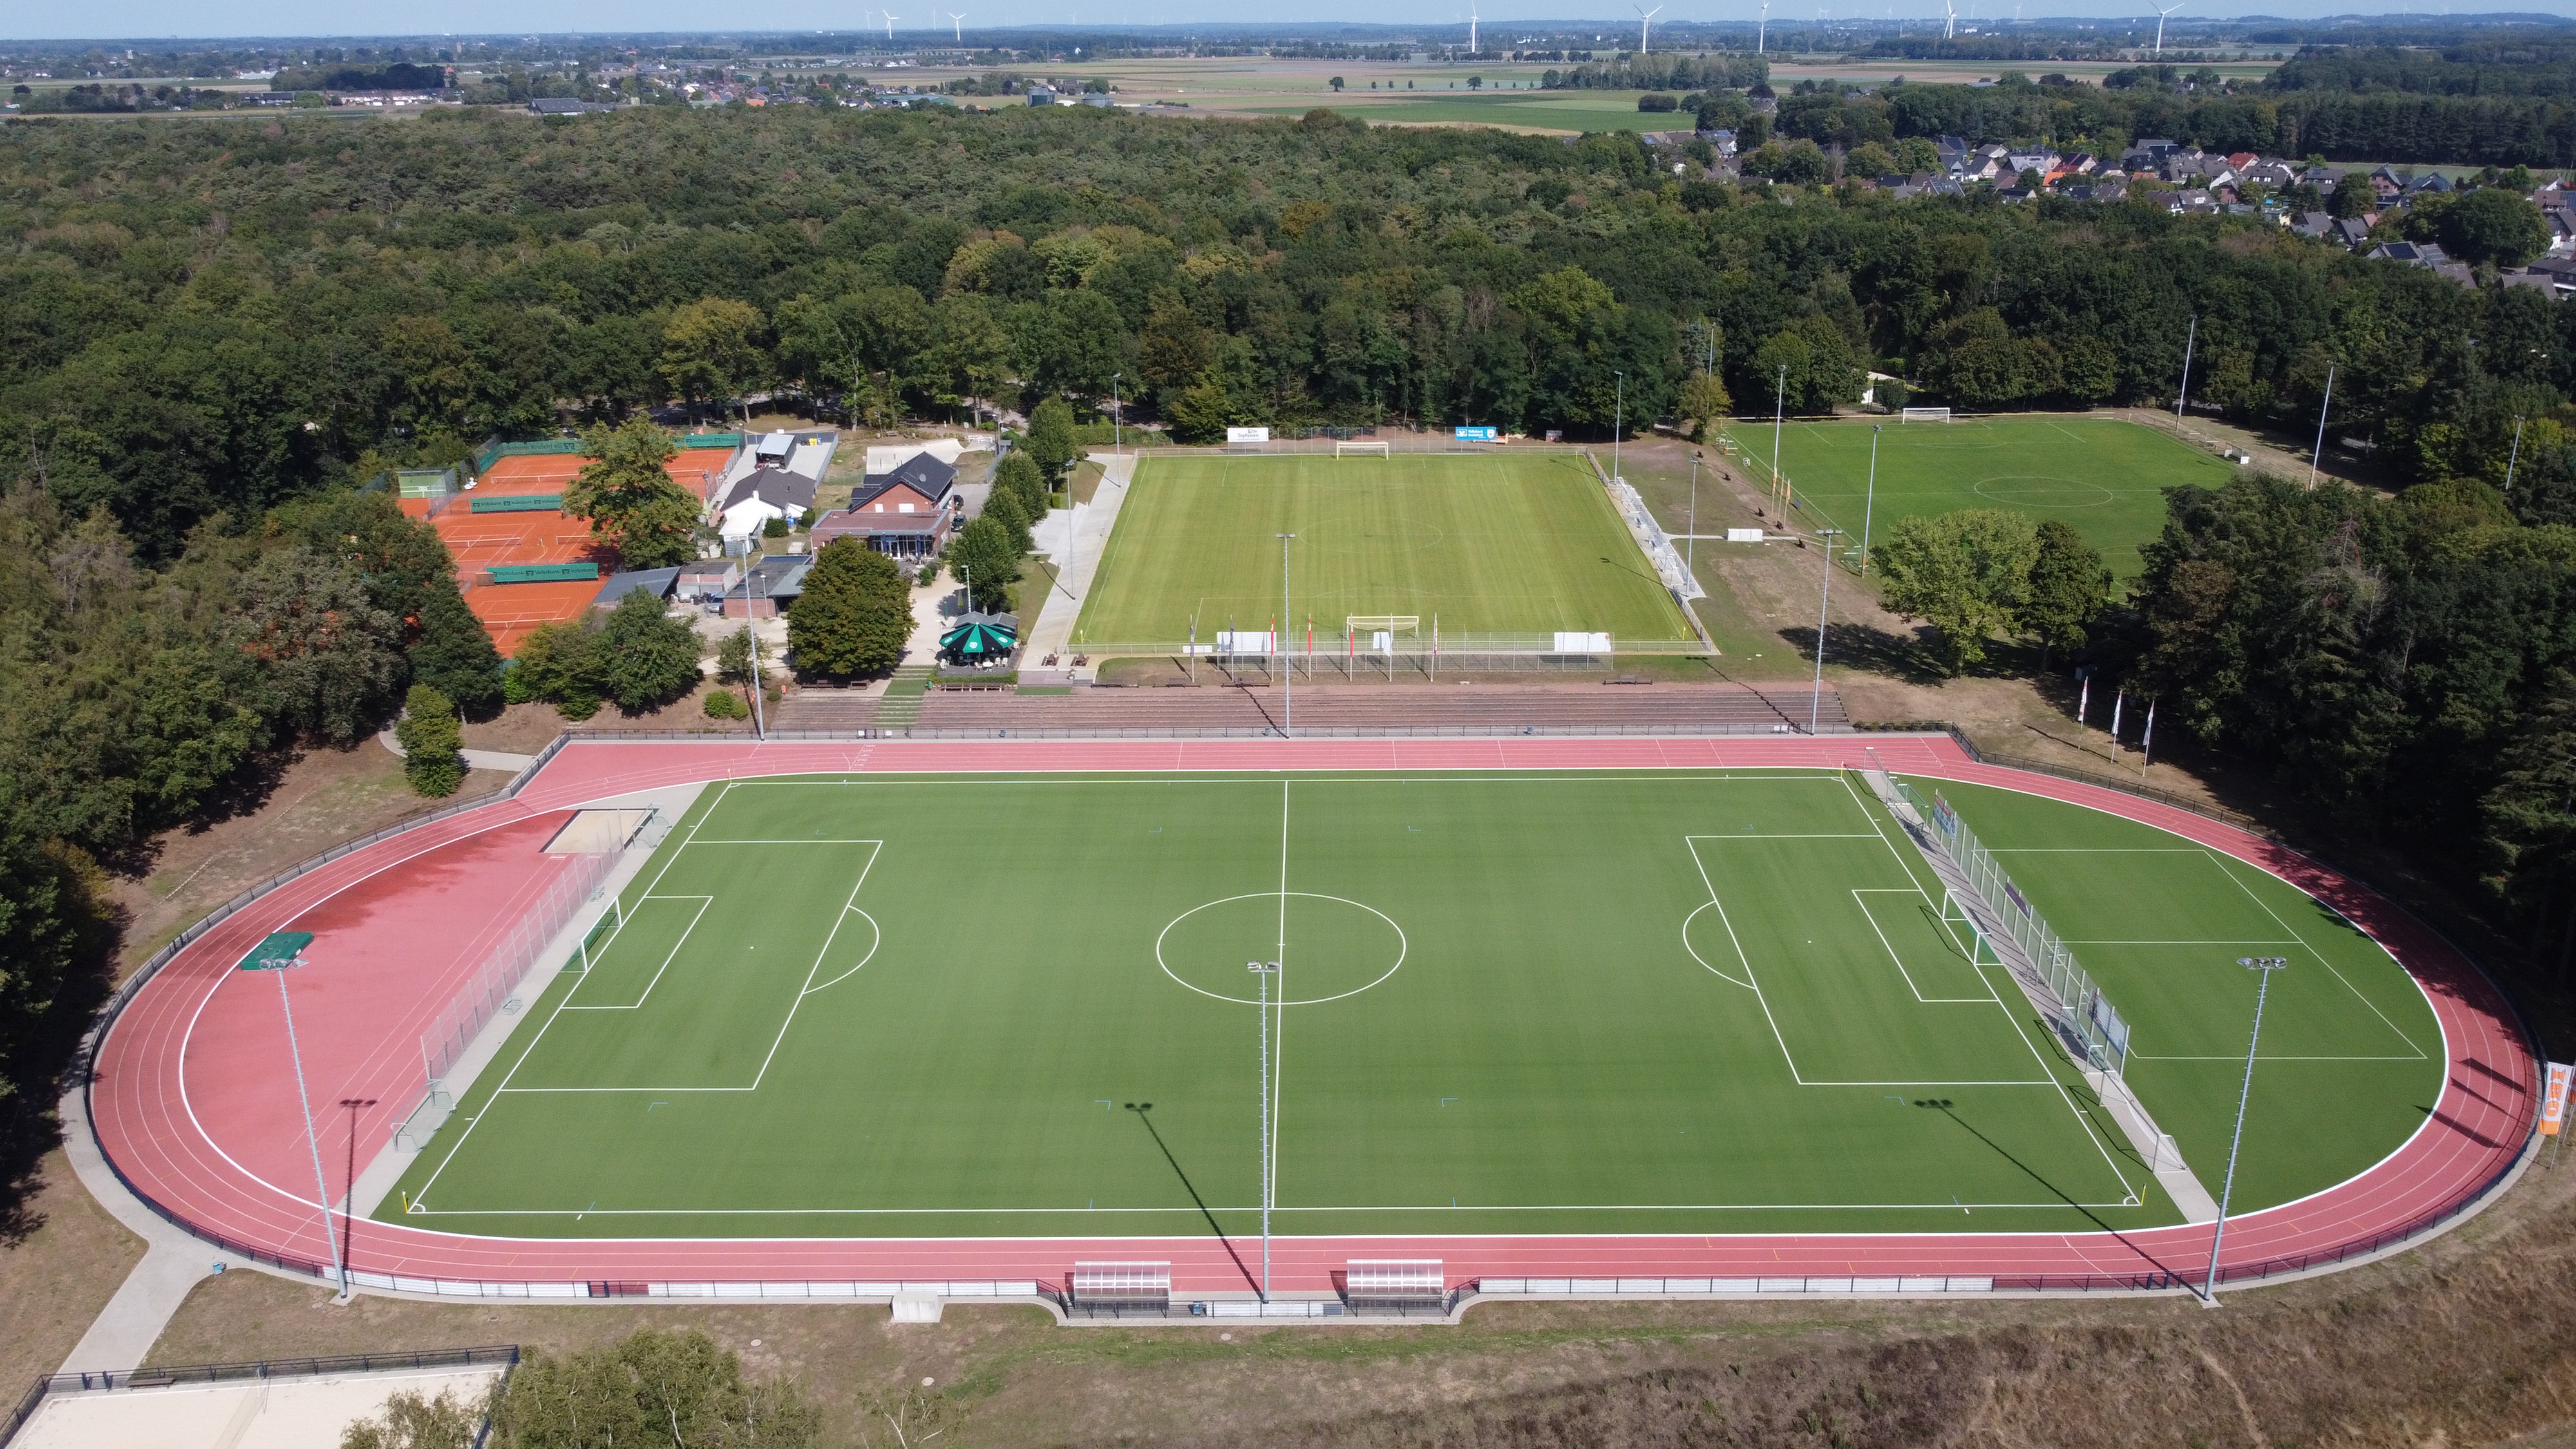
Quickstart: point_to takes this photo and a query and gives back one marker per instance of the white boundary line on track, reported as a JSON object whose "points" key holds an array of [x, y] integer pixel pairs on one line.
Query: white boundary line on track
{"points": [[1946, 769]]}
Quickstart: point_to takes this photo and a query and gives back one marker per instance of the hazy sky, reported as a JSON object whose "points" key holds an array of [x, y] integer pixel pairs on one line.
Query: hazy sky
{"points": [[215, 18]]}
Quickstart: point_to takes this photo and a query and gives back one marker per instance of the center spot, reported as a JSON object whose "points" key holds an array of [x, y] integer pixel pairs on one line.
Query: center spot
{"points": [[1336, 947]]}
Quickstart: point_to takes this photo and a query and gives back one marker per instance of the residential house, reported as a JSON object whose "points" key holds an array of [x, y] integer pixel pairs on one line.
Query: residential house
{"points": [[747, 505], [2561, 221], [907, 511]]}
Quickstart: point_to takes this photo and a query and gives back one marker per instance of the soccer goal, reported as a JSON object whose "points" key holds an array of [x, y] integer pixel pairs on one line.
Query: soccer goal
{"points": [[1342, 449], [1925, 415]]}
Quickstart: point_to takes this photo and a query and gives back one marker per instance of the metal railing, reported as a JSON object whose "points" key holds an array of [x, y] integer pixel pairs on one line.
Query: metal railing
{"points": [[2385, 1240], [1681, 730], [2093, 1028], [505, 1355]]}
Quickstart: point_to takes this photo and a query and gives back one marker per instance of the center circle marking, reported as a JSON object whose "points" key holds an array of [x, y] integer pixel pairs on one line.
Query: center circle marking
{"points": [[1402, 946]]}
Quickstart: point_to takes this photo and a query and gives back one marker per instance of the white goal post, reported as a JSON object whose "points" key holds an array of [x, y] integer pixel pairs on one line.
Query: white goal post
{"points": [[1925, 415], [1343, 449]]}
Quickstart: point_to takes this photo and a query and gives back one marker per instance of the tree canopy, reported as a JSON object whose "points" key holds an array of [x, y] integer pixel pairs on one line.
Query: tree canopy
{"points": [[626, 492], [854, 615]]}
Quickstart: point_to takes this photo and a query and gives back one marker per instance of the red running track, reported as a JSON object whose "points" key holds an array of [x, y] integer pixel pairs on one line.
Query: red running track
{"points": [[193, 1103]]}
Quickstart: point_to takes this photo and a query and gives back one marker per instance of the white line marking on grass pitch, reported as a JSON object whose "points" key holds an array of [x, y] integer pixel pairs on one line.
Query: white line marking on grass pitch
{"points": [[422, 1197]]}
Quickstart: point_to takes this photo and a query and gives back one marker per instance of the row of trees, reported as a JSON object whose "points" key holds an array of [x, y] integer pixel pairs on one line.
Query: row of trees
{"points": [[171, 360], [135, 696], [2405, 663], [2479, 129]]}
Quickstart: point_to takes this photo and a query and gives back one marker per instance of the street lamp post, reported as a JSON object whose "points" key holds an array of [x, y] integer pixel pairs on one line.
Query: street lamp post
{"points": [[349, 1181], [1690, 530], [1117, 419], [1269, 1154], [2262, 967], [1618, 416], [1816, 696], [282, 952], [1287, 621], [1869, 504], [1779, 410], [2182, 391]]}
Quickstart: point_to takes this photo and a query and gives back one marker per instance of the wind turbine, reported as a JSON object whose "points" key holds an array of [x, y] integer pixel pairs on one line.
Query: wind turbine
{"points": [[890, 19], [1950, 25], [2160, 25], [1762, 37], [1471, 30], [957, 24], [1644, 17]]}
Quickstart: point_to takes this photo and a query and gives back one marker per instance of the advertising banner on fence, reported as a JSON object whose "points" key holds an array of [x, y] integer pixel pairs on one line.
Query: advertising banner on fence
{"points": [[1477, 435], [1247, 435], [2553, 1101]]}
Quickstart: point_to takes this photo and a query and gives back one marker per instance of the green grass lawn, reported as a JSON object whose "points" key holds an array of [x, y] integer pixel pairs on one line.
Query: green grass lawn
{"points": [[1502, 544], [1677, 1002], [2106, 476]]}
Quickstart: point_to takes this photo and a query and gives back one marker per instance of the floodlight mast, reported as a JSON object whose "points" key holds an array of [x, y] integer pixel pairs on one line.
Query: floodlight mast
{"points": [[1816, 697], [1287, 621], [2263, 967]]}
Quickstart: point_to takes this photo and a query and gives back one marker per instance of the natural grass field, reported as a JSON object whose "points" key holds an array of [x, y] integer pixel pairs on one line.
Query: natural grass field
{"points": [[2106, 476], [1511, 544], [1669, 1002]]}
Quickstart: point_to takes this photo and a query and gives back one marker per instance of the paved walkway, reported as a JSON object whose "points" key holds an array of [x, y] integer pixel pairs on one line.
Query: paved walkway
{"points": [[474, 759], [1053, 631], [131, 1323]]}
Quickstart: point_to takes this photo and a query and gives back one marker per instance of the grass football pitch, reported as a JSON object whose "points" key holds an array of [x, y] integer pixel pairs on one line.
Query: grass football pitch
{"points": [[1570, 1002], [1498, 544], [2106, 476]]}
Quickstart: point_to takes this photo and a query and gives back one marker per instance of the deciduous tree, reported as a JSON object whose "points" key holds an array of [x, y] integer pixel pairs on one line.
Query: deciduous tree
{"points": [[854, 615], [626, 492]]}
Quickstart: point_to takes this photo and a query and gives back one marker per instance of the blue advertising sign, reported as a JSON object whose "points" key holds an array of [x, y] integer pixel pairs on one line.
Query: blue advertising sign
{"points": [[1477, 435]]}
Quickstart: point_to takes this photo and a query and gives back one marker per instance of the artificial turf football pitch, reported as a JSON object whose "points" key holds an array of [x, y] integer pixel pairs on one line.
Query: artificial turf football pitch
{"points": [[1676, 1002], [2106, 476], [1501, 544]]}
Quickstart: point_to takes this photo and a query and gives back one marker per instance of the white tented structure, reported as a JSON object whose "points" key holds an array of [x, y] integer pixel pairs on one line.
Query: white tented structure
{"points": [[1395, 1285], [1116, 1288]]}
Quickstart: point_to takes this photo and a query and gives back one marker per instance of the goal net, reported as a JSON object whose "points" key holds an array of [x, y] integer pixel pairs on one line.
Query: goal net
{"points": [[1373, 450], [1925, 415], [1377, 631]]}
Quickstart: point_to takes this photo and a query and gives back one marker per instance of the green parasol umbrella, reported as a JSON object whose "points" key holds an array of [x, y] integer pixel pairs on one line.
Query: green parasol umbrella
{"points": [[979, 636]]}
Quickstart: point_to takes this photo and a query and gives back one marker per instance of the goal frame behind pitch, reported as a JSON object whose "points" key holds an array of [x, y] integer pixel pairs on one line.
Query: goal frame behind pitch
{"points": [[1344, 448], [1923, 415]]}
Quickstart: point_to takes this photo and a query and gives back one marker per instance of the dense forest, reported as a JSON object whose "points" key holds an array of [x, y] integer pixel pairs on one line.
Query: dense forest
{"points": [[212, 332]]}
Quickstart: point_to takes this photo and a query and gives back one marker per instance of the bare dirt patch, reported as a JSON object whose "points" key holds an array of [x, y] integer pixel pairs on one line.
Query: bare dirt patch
{"points": [[320, 798], [2464, 1340], [60, 1262], [519, 729]]}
